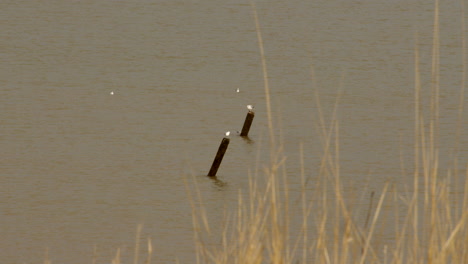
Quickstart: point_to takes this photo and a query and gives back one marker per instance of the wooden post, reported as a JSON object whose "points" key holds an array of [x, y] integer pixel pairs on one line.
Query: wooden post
{"points": [[247, 123], [219, 157]]}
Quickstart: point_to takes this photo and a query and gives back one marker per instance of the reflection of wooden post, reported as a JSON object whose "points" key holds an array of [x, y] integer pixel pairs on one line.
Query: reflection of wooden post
{"points": [[247, 123], [219, 157]]}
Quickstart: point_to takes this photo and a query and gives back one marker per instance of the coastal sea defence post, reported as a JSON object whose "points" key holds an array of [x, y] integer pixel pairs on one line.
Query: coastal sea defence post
{"points": [[247, 123], [219, 156]]}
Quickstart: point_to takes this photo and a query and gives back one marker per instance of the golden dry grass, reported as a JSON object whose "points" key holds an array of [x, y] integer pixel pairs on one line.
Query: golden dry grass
{"points": [[432, 229]]}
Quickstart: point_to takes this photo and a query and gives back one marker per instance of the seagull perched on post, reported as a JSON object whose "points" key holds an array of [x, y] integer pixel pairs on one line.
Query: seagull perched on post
{"points": [[250, 107], [227, 133]]}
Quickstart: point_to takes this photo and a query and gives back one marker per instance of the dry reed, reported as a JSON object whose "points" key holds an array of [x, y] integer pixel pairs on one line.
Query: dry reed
{"points": [[433, 230]]}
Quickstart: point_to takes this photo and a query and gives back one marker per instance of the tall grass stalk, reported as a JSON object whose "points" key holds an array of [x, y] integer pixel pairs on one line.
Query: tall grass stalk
{"points": [[264, 70]]}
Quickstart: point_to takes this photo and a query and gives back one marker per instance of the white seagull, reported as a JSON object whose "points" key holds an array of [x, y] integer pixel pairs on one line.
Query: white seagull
{"points": [[227, 133], [250, 107], [237, 90], [112, 93]]}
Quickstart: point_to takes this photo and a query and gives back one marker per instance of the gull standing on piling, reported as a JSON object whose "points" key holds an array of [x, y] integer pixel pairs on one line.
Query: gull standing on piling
{"points": [[248, 121], [227, 133]]}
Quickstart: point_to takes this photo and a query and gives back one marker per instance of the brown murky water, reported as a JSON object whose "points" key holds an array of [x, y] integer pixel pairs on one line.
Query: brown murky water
{"points": [[81, 168]]}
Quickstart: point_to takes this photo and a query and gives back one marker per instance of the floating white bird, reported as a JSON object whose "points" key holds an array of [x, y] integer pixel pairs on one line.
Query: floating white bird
{"points": [[227, 133], [250, 107], [112, 93], [237, 90]]}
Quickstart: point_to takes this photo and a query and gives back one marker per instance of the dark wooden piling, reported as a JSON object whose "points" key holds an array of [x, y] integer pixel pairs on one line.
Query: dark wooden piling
{"points": [[247, 123], [219, 157]]}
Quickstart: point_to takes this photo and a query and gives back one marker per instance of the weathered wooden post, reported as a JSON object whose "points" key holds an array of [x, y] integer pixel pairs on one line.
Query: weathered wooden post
{"points": [[248, 122], [219, 156]]}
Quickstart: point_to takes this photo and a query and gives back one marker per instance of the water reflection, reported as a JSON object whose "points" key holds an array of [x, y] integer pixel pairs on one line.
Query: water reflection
{"points": [[248, 140], [219, 184]]}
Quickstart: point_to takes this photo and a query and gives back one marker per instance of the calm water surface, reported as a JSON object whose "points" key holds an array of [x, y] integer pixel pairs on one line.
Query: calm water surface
{"points": [[81, 168]]}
